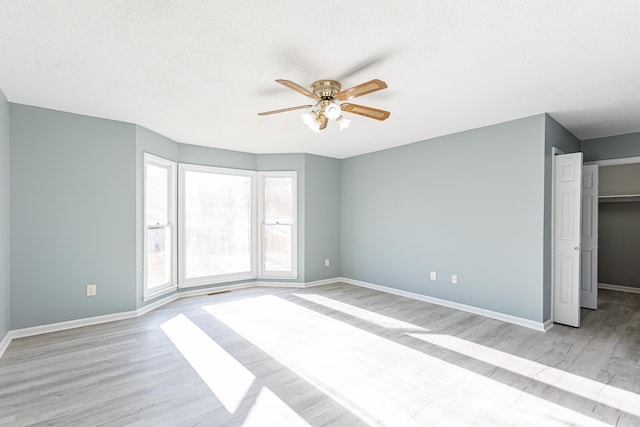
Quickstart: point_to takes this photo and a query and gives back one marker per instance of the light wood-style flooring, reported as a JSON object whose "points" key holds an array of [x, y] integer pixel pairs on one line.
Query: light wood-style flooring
{"points": [[335, 355]]}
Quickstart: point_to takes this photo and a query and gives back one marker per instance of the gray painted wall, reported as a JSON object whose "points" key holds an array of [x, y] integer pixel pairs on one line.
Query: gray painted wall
{"points": [[470, 204], [4, 217], [72, 216], [322, 218], [619, 244], [612, 147], [555, 135], [198, 155]]}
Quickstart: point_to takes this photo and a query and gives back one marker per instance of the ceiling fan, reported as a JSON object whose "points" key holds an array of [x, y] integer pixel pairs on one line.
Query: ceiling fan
{"points": [[327, 93]]}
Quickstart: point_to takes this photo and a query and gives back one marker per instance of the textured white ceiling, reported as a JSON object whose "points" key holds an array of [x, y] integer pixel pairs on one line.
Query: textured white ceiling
{"points": [[199, 71]]}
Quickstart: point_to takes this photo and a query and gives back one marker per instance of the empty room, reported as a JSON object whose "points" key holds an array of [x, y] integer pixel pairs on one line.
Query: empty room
{"points": [[281, 213]]}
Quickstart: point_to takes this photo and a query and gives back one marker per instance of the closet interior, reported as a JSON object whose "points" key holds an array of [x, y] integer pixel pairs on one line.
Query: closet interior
{"points": [[619, 225]]}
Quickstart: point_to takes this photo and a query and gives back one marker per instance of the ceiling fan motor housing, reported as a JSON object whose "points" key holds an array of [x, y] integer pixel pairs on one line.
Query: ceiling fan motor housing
{"points": [[326, 89]]}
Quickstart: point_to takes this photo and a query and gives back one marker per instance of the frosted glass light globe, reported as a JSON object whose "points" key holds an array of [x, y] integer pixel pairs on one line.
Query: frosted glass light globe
{"points": [[332, 111], [308, 118]]}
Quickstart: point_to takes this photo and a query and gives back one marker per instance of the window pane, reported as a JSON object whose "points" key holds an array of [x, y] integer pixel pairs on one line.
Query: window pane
{"points": [[156, 194], [217, 224], [277, 248], [158, 257], [278, 200]]}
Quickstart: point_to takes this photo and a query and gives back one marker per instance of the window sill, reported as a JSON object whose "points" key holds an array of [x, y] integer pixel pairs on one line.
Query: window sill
{"points": [[153, 295], [215, 280], [288, 276]]}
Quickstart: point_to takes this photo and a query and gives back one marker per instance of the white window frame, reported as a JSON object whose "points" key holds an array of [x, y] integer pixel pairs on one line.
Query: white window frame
{"points": [[183, 282], [293, 273], [150, 159]]}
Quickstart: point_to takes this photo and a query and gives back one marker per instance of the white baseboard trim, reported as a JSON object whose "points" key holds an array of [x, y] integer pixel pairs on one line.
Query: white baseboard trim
{"points": [[548, 325], [4, 344], [538, 326], [620, 288], [323, 282], [71, 324], [89, 321]]}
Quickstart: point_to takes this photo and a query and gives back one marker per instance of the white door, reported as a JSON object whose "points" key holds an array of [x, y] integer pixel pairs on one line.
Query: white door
{"points": [[589, 239], [566, 242]]}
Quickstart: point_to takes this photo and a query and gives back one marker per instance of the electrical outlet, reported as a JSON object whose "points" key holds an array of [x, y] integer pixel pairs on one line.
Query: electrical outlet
{"points": [[433, 275], [326, 262], [91, 290], [454, 279]]}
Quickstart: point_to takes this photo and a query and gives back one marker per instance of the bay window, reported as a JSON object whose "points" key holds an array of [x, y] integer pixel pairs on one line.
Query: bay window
{"points": [[205, 225]]}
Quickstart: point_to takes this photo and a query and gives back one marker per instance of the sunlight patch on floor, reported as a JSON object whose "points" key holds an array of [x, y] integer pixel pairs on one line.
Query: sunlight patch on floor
{"points": [[379, 380], [369, 316], [270, 411], [598, 392], [227, 378]]}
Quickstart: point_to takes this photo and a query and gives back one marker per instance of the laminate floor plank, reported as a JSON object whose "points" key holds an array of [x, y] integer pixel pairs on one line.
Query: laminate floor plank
{"points": [[333, 355]]}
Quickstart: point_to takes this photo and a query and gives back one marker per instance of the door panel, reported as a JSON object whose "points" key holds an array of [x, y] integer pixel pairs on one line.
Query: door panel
{"points": [[566, 242], [589, 238]]}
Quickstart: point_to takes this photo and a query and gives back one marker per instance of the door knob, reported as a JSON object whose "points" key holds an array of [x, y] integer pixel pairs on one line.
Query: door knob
{"points": [[577, 248]]}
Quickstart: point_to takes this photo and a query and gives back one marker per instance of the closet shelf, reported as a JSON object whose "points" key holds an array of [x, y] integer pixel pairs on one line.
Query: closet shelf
{"points": [[619, 198]]}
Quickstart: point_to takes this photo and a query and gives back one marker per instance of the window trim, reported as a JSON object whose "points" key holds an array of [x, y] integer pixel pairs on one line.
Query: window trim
{"points": [[183, 281], [151, 159], [293, 273]]}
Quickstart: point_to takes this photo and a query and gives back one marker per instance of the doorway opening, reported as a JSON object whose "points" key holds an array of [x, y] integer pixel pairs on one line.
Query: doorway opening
{"points": [[619, 220], [576, 215]]}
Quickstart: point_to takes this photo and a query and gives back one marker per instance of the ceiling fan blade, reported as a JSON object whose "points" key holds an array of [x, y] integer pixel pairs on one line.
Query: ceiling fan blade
{"points": [[372, 113], [323, 122], [298, 88], [362, 89], [284, 110]]}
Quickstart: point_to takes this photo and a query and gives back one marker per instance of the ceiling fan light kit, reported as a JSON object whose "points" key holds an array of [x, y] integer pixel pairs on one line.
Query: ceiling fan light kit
{"points": [[326, 93]]}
